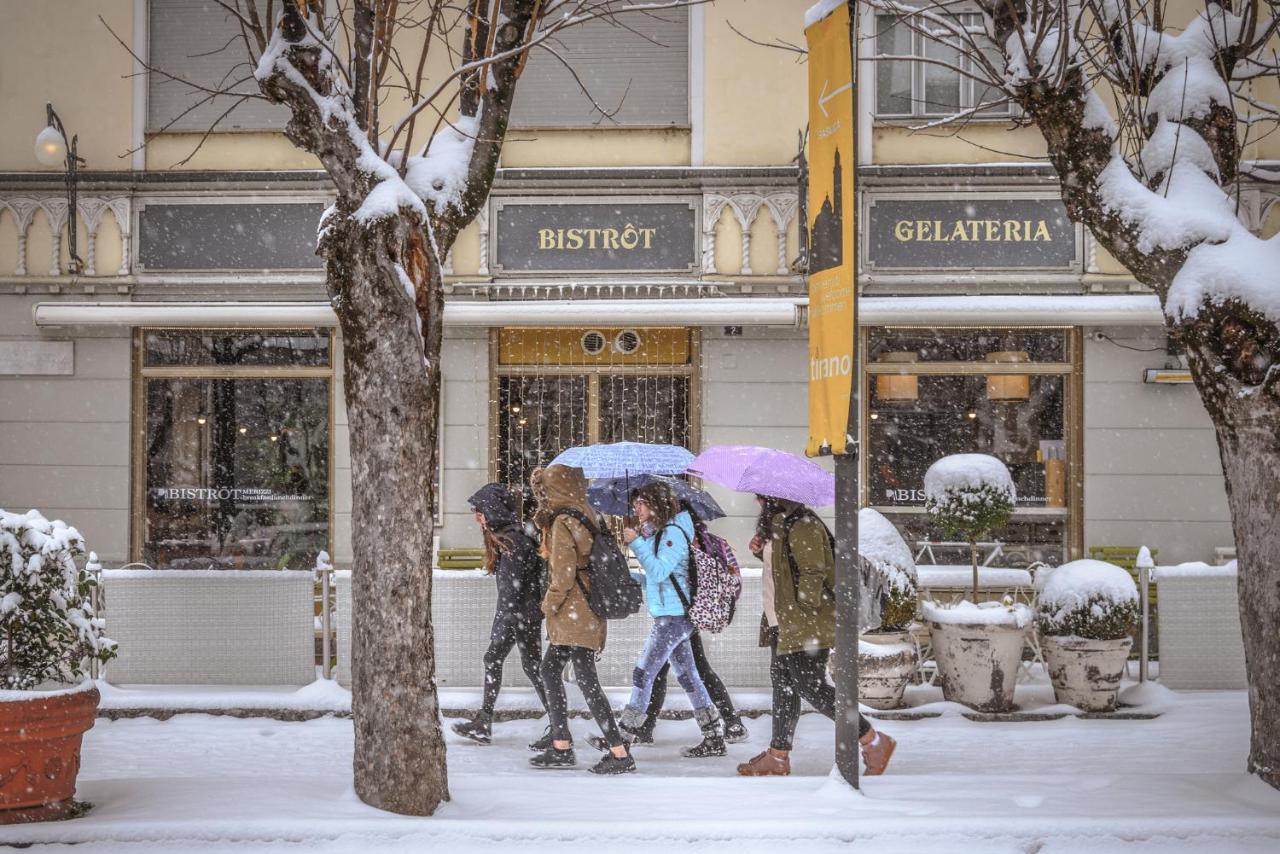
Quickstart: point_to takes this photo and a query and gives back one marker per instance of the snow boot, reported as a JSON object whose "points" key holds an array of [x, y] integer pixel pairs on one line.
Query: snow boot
{"points": [[641, 737], [479, 730], [876, 753], [771, 763], [734, 731], [610, 764], [553, 757], [543, 743], [712, 743]]}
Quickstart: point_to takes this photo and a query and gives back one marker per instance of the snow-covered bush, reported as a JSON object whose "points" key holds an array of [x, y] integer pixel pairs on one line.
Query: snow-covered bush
{"points": [[885, 552], [1087, 599], [969, 495], [48, 629]]}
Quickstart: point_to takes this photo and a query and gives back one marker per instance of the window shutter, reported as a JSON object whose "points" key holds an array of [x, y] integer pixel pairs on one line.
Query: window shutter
{"points": [[198, 40], [646, 71]]}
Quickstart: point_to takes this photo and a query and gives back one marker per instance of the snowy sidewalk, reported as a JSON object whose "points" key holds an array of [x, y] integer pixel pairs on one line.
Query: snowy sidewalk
{"points": [[202, 783]]}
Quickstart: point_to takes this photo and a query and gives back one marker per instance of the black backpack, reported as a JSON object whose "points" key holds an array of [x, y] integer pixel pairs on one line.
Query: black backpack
{"points": [[614, 594]]}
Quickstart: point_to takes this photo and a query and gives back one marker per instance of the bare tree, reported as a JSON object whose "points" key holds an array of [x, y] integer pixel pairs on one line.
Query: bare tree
{"points": [[360, 103], [1147, 110]]}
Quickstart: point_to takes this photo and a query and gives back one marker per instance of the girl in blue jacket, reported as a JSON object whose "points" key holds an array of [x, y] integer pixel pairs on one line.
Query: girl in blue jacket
{"points": [[663, 552]]}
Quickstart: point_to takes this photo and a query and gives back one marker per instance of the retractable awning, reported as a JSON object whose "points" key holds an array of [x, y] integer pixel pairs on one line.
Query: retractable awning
{"points": [[1047, 310]]}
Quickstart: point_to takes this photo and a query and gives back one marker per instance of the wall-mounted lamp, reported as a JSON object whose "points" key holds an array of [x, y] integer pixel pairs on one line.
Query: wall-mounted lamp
{"points": [[52, 149], [1164, 376]]}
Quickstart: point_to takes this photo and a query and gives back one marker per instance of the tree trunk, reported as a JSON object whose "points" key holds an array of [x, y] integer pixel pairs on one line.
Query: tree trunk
{"points": [[392, 410]]}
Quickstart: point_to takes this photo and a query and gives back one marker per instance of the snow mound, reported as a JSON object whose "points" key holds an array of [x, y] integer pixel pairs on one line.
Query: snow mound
{"points": [[1081, 582], [1198, 569], [880, 545], [884, 650], [440, 175], [983, 613], [963, 472], [1148, 697]]}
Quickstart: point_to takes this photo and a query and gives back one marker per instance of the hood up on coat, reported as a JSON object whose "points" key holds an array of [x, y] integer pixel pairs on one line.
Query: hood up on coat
{"points": [[497, 504], [566, 489]]}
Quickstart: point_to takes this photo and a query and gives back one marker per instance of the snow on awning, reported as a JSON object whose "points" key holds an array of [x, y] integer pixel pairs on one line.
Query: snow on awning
{"points": [[1056, 310]]}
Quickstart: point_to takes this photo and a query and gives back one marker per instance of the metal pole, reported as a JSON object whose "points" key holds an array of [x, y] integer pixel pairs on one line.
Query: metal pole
{"points": [[1144, 638], [325, 620]]}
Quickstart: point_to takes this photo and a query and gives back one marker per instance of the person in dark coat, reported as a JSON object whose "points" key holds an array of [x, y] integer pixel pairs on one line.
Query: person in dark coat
{"points": [[511, 556]]}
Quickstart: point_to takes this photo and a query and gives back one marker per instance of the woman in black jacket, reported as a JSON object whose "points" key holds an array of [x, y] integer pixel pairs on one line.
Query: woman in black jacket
{"points": [[512, 557]]}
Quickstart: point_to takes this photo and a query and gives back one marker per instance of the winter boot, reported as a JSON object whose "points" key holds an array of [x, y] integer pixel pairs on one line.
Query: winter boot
{"points": [[542, 743], [610, 764], [712, 743], [628, 737], [876, 753], [553, 757], [735, 731], [479, 730], [771, 763]]}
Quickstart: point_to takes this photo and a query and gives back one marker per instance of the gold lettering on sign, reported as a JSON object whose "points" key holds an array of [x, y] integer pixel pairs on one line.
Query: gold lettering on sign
{"points": [[627, 238], [971, 230]]}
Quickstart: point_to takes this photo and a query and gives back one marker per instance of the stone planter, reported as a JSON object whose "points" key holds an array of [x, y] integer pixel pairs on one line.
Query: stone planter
{"points": [[978, 662], [40, 752], [1086, 673], [886, 663]]}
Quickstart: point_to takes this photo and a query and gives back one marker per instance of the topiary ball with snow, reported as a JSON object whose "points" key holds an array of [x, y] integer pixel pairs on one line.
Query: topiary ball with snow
{"points": [[48, 629], [1087, 599], [884, 551], [968, 495]]}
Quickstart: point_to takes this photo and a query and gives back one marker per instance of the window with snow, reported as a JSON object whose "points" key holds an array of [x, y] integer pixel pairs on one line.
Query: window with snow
{"points": [[936, 82], [628, 72], [236, 440]]}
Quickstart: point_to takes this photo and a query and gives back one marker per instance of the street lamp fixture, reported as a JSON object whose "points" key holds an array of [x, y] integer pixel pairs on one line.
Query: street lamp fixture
{"points": [[52, 149]]}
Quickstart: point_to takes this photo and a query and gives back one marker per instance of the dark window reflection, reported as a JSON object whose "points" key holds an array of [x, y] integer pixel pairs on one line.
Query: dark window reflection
{"points": [[538, 417], [967, 345], [200, 348], [237, 472], [644, 409]]}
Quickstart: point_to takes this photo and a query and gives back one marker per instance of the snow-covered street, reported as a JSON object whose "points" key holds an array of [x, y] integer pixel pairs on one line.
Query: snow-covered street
{"points": [[1176, 783]]}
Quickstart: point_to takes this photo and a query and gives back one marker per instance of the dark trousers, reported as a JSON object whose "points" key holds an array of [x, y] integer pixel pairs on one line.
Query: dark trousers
{"points": [[719, 694], [584, 669], [796, 676], [505, 635]]}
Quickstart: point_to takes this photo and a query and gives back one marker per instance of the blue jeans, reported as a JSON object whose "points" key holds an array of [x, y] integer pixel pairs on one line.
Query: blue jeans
{"points": [[669, 641]]}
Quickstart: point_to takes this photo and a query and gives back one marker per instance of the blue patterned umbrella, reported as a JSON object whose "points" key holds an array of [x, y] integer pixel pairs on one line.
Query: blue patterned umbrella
{"points": [[611, 495], [622, 459]]}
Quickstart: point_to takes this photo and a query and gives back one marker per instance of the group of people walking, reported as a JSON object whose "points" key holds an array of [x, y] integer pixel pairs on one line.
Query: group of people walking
{"points": [[797, 626]]}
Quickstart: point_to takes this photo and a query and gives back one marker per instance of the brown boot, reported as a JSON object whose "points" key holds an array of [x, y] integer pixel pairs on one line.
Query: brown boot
{"points": [[876, 753], [771, 763]]}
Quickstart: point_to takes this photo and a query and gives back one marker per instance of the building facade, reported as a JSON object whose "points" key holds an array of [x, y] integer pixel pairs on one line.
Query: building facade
{"points": [[179, 397]]}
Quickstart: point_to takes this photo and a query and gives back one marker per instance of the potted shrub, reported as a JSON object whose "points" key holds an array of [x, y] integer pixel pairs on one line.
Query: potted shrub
{"points": [[1087, 610], [887, 653], [48, 635], [977, 646]]}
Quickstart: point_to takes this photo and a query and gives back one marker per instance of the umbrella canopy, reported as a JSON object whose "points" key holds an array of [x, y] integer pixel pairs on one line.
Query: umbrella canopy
{"points": [[749, 468], [609, 495], [623, 459]]}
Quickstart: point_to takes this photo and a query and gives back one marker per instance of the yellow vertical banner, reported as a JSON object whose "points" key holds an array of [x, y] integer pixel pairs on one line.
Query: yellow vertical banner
{"points": [[832, 237]]}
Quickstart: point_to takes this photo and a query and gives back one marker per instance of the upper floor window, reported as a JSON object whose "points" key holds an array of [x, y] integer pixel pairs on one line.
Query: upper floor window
{"points": [[200, 43], [938, 81], [632, 72]]}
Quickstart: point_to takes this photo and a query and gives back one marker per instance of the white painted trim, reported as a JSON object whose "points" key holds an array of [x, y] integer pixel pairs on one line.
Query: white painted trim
{"points": [[865, 104], [697, 83], [979, 311], [141, 47]]}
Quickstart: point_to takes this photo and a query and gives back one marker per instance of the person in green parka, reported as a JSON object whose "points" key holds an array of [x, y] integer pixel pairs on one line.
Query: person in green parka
{"points": [[799, 628]]}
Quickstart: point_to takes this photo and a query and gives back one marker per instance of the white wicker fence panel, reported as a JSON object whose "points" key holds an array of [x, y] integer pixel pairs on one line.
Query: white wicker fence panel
{"points": [[462, 612], [1199, 623], [210, 627]]}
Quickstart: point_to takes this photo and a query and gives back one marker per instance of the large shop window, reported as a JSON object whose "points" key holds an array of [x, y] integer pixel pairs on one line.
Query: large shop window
{"points": [[940, 80], [1008, 393], [233, 450], [556, 388]]}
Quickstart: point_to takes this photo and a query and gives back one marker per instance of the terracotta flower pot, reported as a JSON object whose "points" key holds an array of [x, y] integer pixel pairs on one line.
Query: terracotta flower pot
{"points": [[40, 753], [1086, 673], [885, 668]]}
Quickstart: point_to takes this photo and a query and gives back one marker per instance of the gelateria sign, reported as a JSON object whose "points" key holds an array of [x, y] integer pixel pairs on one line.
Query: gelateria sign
{"points": [[605, 235], [970, 234]]}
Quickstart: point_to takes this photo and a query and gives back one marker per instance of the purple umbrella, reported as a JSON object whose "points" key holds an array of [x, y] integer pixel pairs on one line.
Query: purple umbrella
{"points": [[748, 468]]}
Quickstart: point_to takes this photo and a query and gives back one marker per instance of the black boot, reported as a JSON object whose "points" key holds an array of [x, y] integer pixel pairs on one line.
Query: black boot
{"points": [[610, 764], [734, 731], [628, 737], [553, 757], [479, 730], [544, 742], [712, 743]]}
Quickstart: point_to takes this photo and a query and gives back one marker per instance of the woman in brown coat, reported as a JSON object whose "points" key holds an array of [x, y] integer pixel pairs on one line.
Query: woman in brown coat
{"points": [[576, 633]]}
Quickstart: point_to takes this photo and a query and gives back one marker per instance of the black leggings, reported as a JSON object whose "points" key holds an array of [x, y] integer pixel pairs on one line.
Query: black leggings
{"points": [[505, 635], [799, 675], [584, 668], [719, 694]]}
